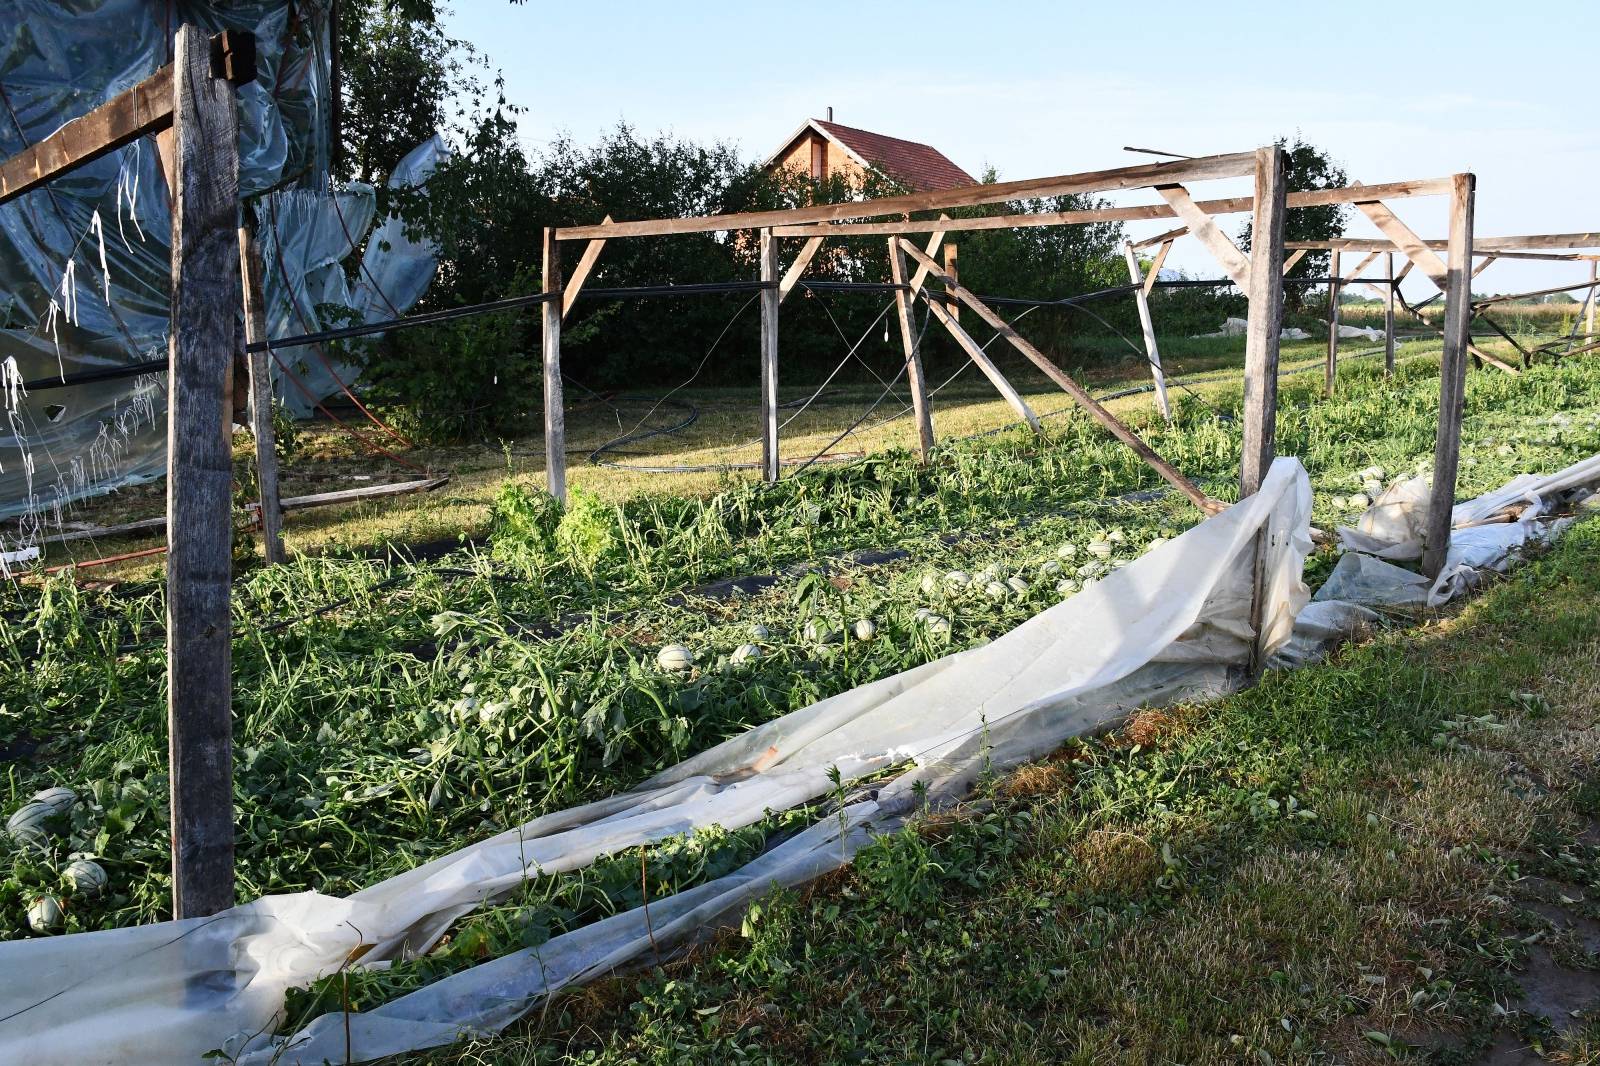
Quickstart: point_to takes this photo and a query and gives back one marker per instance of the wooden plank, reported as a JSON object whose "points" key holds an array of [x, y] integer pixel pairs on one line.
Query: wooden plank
{"points": [[797, 269], [1152, 352], [580, 273], [555, 404], [205, 303], [286, 504], [1331, 368], [255, 331], [952, 266], [1355, 271], [1264, 323], [976, 353], [1594, 294], [1452, 378], [921, 275], [1288, 264], [1414, 247], [1135, 177], [1491, 360], [1482, 246], [145, 108], [1485, 265], [770, 458], [921, 408], [1072, 388], [1161, 238], [1388, 318], [1231, 205], [1226, 253], [1155, 268]]}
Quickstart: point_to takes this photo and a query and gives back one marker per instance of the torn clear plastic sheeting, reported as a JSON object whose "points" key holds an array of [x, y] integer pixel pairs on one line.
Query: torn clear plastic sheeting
{"points": [[174, 991]]}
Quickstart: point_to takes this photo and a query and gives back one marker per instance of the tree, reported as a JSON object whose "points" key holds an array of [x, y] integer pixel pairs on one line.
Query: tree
{"points": [[1308, 167]]}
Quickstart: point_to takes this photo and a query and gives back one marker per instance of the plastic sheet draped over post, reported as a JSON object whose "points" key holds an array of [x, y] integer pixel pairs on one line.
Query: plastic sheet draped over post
{"points": [[1173, 625], [59, 59]]}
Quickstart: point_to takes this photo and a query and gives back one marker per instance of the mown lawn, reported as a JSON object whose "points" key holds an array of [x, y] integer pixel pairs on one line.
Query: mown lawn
{"points": [[1362, 861]]}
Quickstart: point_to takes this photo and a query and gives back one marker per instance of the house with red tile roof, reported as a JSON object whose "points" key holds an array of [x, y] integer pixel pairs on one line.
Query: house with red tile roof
{"points": [[823, 149]]}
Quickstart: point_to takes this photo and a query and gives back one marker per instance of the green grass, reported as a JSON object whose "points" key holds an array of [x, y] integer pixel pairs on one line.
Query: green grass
{"points": [[1331, 864]]}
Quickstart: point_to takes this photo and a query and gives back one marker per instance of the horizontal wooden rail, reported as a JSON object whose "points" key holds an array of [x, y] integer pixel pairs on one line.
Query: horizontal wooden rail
{"points": [[145, 108], [1398, 190], [1486, 246], [1136, 177]]}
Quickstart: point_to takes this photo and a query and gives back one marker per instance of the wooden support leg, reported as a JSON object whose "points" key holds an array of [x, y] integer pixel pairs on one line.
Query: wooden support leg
{"points": [[1265, 318], [255, 331], [1452, 376], [555, 414], [770, 457], [1095, 409], [1262, 340], [205, 302], [952, 267], [1331, 372], [1388, 321], [908, 339], [1152, 353], [976, 353], [1588, 324]]}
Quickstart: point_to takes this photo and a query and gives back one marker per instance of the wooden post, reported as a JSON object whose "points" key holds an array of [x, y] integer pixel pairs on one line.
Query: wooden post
{"points": [[770, 459], [555, 414], [255, 331], [1331, 372], [1452, 376], [952, 265], [1388, 321], [205, 301], [1265, 322], [908, 340], [1152, 353], [1588, 325]]}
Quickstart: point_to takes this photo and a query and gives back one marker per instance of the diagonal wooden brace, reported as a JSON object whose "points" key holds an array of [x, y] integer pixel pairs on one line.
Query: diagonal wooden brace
{"points": [[1203, 226], [1072, 388], [976, 353]]}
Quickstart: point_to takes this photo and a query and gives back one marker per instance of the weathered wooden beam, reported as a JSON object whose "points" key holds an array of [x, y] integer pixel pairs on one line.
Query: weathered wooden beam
{"points": [[1594, 293], [1355, 271], [1152, 352], [1493, 361], [920, 275], [1095, 409], [1414, 247], [1452, 377], [1288, 264], [1162, 238], [1135, 177], [1155, 267], [1226, 253], [555, 404], [1388, 318], [261, 428], [580, 273], [1485, 265], [1331, 369], [770, 456], [921, 408], [797, 269], [205, 303], [952, 267], [1231, 205], [1264, 322], [145, 108], [976, 353], [1484, 246]]}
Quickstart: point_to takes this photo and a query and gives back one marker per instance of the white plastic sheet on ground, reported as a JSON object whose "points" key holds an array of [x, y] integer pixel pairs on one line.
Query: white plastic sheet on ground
{"points": [[1167, 627], [1171, 626]]}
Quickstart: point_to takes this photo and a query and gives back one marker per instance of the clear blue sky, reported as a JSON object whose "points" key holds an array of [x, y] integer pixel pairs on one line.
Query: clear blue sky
{"points": [[1392, 90]]}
